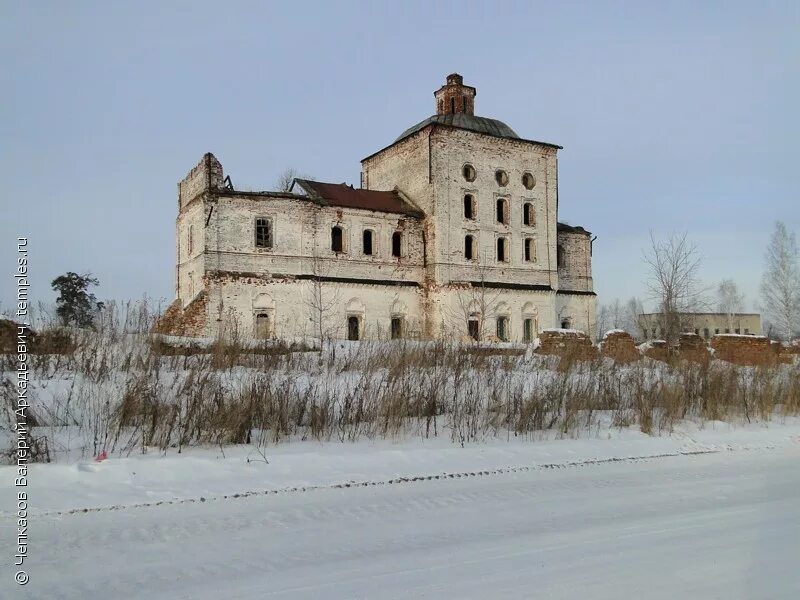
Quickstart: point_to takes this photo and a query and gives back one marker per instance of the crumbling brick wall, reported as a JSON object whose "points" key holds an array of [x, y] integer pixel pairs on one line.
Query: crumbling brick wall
{"points": [[620, 347], [190, 321], [566, 343], [693, 348], [744, 349]]}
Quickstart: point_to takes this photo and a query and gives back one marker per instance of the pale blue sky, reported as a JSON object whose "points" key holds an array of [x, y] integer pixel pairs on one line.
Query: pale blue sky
{"points": [[673, 116]]}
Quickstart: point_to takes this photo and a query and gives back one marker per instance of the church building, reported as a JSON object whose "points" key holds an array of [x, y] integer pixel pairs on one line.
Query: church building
{"points": [[453, 233]]}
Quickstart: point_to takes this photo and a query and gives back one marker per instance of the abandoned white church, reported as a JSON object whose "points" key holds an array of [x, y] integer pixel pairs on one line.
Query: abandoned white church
{"points": [[453, 232]]}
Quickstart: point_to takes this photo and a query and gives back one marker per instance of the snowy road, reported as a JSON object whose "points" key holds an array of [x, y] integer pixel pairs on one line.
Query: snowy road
{"points": [[711, 526]]}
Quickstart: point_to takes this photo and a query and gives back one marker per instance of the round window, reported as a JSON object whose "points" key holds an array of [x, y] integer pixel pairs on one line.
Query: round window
{"points": [[469, 172], [528, 180], [501, 177]]}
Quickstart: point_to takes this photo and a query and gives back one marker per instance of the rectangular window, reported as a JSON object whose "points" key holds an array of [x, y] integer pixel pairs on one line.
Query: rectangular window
{"points": [[530, 250], [397, 244], [502, 328], [397, 328], [263, 326], [502, 210], [353, 328], [528, 217], [716, 332], [469, 206], [746, 331], [469, 247], [473, 329], [263, 233], [527, 330], [502, 249], [737, 331], [706, 333], [337, 239], [368, 239]]}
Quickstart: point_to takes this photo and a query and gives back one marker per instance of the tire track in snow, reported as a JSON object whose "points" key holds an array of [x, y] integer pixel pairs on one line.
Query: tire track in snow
{"points": [[384, 482]]}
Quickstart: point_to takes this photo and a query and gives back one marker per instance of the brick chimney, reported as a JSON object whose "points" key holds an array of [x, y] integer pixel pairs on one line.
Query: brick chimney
{"points": [[455, 97]]}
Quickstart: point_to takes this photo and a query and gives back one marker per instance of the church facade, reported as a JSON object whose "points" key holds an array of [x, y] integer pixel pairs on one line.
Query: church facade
{"points": [[453, 232]]}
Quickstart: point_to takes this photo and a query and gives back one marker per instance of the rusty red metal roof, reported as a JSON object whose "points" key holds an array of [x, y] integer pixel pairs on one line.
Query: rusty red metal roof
{"points": [[346, 196]]}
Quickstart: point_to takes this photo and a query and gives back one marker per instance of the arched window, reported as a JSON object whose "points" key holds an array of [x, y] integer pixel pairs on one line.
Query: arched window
{"points": [[469, 206], [368, 238], [397, 244], [502, 328], [337, 239], [473, 327], [469, 247]]}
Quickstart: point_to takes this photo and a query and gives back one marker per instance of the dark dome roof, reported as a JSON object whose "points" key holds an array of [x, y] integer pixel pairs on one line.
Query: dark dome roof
{"points": [[464, 121]]}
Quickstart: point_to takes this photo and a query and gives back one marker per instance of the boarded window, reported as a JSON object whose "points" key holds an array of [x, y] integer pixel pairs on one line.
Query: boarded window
{"points": [[530, 250], [502, 328], [469, 247], [469, 206], [397, 328], [528, 216], [368, 238], [397, 244], [263, 233], [263, 326], [337, 239], [502, 250], [502, 210], [473, 328], [353, 328]]}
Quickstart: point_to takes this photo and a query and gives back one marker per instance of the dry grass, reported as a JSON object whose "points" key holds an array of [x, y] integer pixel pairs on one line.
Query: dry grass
{"points": [[123, 389]]}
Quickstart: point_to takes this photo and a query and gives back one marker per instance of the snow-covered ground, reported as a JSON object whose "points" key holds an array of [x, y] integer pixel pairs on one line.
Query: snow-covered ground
{"points": [[712, 513]]}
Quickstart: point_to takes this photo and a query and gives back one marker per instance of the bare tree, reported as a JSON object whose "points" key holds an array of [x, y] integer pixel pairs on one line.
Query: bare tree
{"points": [[287, 177], [780, 285], [729, 300], [322, 301], [673, 282], [634, 321], [476, 303]]}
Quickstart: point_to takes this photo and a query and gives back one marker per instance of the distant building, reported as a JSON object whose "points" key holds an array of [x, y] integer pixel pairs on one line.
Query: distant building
{"points": [[453, 232], [706, 325]]}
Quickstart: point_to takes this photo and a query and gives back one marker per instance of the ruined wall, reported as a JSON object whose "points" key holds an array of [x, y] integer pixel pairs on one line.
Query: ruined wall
{"points": [[566, 343], [619, 347], [578, 310], [294, 306], [404, 165], [206, 175], [302, 240], [575, 272], [451, 150], [452, 305], [745, 349]]}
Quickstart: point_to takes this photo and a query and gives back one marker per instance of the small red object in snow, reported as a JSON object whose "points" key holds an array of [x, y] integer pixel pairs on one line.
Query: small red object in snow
{"points": [[101, 457]]}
